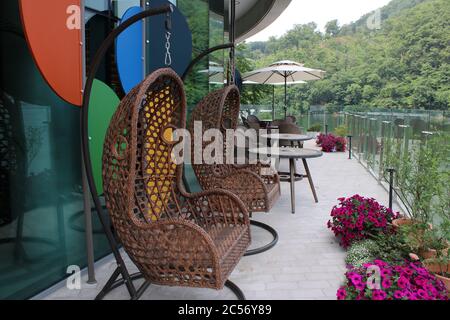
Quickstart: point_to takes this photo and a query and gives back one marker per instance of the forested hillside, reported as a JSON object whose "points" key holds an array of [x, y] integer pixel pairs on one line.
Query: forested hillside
{"points": [[403, 64]]}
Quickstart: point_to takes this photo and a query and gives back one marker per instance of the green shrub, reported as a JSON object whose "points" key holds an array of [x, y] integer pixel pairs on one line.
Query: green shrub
{"points": [[317, 127], [391, 248], [341, 131], [361, 252]]}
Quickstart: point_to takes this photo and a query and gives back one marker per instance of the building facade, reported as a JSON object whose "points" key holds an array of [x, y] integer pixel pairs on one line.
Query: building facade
{"points": [[42, 226]]}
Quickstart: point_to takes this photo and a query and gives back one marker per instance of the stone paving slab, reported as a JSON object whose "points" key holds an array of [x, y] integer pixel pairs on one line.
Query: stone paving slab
{"points": [[307, 262]]}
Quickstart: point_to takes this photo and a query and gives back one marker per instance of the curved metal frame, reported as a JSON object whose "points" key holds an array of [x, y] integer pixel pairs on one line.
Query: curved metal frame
{"points": [[136, 276], [266, 247], [121, 269]]}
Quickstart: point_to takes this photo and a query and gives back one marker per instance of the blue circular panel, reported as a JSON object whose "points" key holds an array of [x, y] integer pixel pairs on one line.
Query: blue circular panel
{"points": [[129, 52], [181, 40]]}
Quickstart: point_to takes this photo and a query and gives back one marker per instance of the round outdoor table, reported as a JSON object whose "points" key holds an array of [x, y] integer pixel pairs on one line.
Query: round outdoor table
{"points": [[288, 137], [293, 139], [293, 154]]}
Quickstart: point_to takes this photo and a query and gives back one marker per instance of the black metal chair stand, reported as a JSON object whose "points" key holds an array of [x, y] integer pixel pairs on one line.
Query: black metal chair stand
{"points": [[266, 247], [121, 270]]}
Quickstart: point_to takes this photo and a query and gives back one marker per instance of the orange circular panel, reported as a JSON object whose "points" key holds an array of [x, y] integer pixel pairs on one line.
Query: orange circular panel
{"points": [[53, 32]]}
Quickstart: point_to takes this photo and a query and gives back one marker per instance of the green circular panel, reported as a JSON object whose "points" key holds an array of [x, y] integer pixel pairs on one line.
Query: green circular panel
{"points": [[103, 104]]}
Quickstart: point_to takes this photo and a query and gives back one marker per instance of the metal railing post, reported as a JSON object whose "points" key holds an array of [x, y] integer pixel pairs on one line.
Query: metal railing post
{"points": [[391, 186], [349, 146]]}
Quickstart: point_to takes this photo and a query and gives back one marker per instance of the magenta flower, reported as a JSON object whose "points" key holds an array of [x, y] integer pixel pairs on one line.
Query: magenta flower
{"points": [[398, 295], [405, 286], [422, 271], [386, 283], [356, 218], [402, 282], [422, 294], [378, 295], [341, 294]]}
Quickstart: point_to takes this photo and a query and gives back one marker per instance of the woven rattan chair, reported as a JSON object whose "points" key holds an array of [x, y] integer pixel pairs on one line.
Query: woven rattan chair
{"points": [[175, 238], [290, 128], [257, 185]]}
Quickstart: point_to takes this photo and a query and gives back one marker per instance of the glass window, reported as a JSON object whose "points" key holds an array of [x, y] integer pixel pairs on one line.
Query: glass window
{"points": [[41, 200]]}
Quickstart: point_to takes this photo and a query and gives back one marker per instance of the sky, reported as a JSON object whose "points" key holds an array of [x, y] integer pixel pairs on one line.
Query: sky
{"points": [[320, 12]]}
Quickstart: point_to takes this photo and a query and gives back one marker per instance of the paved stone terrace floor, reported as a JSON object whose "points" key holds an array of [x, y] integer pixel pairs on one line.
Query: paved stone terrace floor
{"points": [[307, 263]]}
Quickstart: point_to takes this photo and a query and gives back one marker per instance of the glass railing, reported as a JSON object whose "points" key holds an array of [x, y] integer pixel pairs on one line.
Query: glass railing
{"points": [[383, 140], [387, 138]]}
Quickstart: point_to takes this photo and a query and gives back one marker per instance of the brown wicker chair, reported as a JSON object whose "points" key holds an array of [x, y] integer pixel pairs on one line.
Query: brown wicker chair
{"points": [[175, 238], [257, 185], [290, 128]]}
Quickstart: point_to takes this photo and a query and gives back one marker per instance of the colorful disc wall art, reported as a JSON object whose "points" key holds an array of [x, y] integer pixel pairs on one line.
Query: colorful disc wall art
{"points": [[103, 104], [53, 29], [129, 52]]}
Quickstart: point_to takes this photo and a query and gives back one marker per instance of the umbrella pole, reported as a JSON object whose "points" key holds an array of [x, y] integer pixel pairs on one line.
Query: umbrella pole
{"points": [[273, 103], [285, 96]]}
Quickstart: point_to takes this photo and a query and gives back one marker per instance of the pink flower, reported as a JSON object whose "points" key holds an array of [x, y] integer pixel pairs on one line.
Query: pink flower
{"points": [[386, 283], [380, 263], [422, 294], [402, 282], [356, 218], [414, 257], [378, 295], [398, 294], [422, 271], [341, 294], [407, 271]]}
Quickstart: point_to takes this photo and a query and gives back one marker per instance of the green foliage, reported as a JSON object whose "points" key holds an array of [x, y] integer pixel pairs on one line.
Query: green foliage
{"points": [[332, 28], [391, 248], [405, 64], [341, 131], [437, 238], [316, 127], [422, 176], [251, 94], [360, 253]]}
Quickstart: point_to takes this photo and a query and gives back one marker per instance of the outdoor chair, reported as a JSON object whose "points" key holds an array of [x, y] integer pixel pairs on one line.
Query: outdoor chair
{"points": [[174, 237], [291, 119], [257, 185], [254, 123], [289, 128]]}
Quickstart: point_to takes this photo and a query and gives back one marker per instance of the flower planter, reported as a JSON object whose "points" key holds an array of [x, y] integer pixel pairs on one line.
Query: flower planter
{"points": [[432, 253], [407, 222], [437, 268], [402, 222]]}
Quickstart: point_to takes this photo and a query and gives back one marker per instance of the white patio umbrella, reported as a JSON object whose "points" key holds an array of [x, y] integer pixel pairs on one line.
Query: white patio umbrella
{"points": [[284, 72], [273, 91], [215, 73]]}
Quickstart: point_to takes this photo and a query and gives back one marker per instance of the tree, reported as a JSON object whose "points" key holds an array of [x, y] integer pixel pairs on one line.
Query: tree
{"points": [[332, 28], [405, 64]]}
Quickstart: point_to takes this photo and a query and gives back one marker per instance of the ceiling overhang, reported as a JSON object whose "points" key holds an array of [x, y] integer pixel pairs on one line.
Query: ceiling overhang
{"points": [[253, 16]]}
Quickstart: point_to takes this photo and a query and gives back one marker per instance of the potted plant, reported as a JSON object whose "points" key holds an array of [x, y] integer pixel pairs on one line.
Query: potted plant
{"points": [[440, 267], [331, 143], [358, 218], [399, 281], [419, 179], [435, 242]]}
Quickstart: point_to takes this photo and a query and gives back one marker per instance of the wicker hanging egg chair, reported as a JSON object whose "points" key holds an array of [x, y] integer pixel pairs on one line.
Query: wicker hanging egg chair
{"points": [[175, 238], [257, 185]]}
